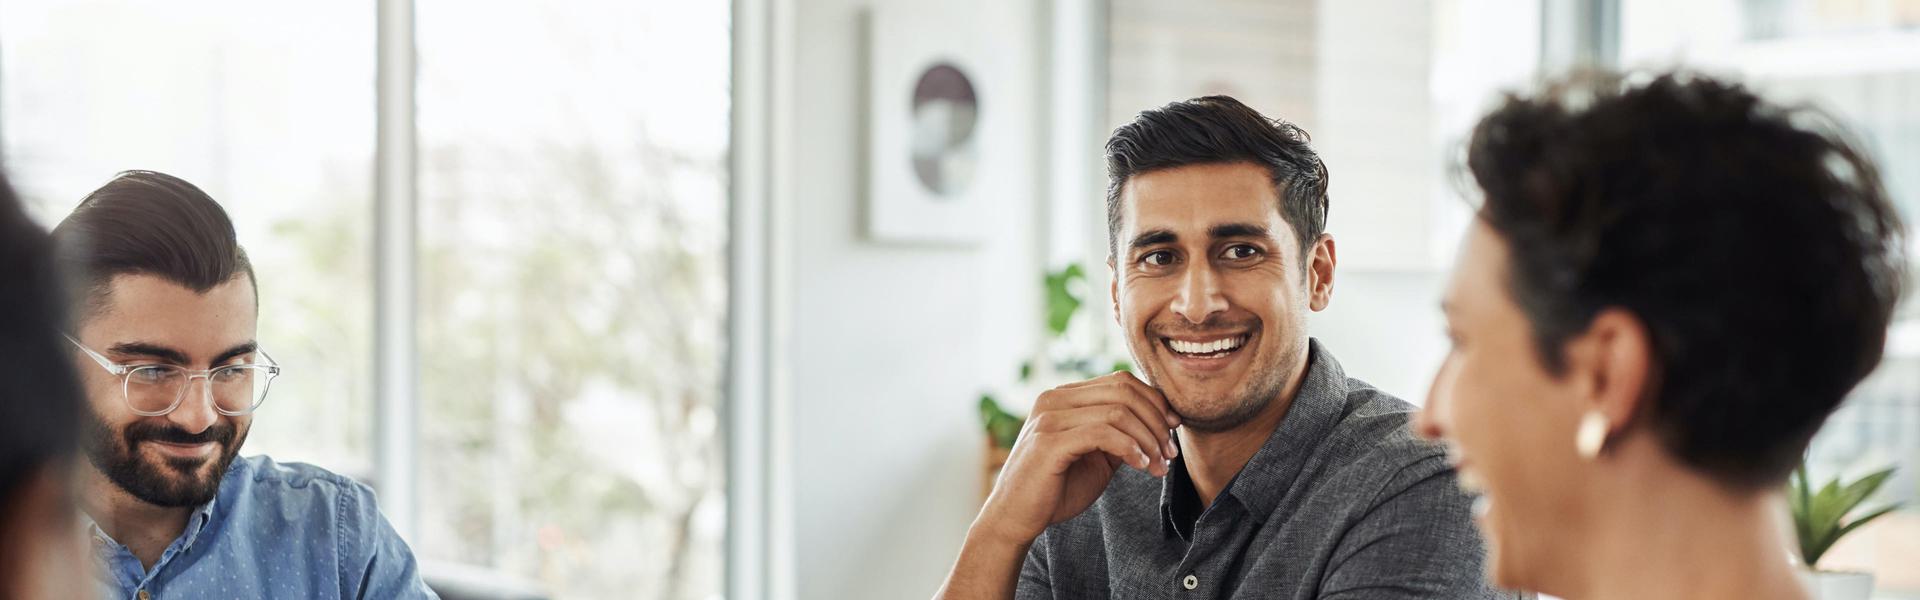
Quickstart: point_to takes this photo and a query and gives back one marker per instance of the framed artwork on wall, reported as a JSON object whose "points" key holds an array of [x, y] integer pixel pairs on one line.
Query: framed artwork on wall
{"points": [[930, 116]]}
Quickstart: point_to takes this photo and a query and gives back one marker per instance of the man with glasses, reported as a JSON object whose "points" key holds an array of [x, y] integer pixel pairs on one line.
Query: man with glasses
{"points": [[165, 310]]}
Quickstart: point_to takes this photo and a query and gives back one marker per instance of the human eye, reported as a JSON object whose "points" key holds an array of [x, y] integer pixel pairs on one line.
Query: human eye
{"points": [[1241, 252], [1157, 259], [153, 374]]}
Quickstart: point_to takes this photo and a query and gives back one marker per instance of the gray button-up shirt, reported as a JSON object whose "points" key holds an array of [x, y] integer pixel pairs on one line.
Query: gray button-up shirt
{"points": [[1342, 501]]}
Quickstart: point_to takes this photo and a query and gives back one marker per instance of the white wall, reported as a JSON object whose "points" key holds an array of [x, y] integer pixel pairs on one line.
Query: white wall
{"points": [[1386, 328], [891, 345]]}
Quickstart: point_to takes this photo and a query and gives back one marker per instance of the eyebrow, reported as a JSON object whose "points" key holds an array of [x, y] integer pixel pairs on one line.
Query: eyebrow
{"points": [[244, 348], [1238, 230], [175, 356], [1223, 230], [1149, 238], [150, 350]]}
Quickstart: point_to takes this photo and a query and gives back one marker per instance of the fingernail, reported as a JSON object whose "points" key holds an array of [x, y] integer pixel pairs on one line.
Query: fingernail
{"points": [[1173, 451], [1145, 463]]}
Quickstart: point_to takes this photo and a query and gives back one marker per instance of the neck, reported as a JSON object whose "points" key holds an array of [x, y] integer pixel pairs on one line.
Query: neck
{"points": [[1213, 458], [145, 529], [1680, 535]]}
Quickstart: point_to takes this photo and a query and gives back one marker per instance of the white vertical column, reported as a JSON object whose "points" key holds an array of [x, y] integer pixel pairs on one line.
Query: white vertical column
{"points": [[1074, 227], [395, 216], [1577, 34], [760, 546], [1073, 140]]}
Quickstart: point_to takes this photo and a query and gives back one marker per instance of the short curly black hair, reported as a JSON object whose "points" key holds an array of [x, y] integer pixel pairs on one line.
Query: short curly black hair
{"points": [[1755, 241]]}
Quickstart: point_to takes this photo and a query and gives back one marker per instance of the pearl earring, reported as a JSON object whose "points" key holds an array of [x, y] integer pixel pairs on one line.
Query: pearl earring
{"points": [[1592, 435]]}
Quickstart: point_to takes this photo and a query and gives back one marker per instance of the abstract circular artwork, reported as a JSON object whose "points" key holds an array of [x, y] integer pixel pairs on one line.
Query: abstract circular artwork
{"points": [[945, 115]]}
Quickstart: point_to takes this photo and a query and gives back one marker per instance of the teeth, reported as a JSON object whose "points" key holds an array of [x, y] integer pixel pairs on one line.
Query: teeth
{"points": [[1219, 345], [1468, 482]]}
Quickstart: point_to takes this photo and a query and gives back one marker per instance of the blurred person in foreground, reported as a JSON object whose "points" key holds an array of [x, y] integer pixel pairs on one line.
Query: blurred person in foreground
{"points": [[1282, 477], [1669, 285], [42, 545], [165, 311]]}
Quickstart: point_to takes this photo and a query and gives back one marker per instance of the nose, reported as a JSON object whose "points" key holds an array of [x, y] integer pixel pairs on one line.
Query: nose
{"points": [[1425, 423], [1430, 422], [195, 413], [1200, 295]]}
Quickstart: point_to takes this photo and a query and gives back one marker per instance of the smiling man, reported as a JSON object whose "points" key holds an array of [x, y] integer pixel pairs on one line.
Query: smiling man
{"points": [[1254, 467], [163, 335]]}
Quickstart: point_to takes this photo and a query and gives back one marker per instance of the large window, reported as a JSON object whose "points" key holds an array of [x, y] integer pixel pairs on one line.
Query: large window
{"points": [[271, 113], [1859, 62], [572, 221], [570, 274]]}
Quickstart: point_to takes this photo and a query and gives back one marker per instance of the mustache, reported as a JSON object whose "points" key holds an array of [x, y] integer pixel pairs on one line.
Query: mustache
{"points": [[1179, 327], [220, 432]]}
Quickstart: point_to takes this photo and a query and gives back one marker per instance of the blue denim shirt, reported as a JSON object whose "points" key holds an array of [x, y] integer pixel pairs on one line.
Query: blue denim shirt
{"points": [[273, 531]]}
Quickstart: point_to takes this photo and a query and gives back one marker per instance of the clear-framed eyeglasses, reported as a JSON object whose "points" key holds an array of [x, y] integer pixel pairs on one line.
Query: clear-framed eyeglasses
{"points": [[153, 390]]}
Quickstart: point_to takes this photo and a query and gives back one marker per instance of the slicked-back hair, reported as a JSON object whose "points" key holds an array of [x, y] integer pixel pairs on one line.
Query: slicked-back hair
{"points": [[1754, 241], [1220, 130], [147, 223]]}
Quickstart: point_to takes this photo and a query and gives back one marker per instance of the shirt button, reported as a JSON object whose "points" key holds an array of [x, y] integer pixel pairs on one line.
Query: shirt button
{"points": [[146, 596], [1191, 582]]}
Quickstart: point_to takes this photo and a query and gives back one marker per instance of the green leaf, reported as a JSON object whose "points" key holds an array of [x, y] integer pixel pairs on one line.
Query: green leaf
{"points": [[1857, 492], [1802, 518], [1819, 516], [1026, 371], [1061, 301], [1002, 427], [1825, 512], [1121, 365], [1856, 523]]}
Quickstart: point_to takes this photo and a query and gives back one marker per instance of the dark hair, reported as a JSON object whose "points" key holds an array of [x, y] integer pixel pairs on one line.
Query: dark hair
{"points": [[1213, 130], [1754, 241], [143, 222], [39, 395]]}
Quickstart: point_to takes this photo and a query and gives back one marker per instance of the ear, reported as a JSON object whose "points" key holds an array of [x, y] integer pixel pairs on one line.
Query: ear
{"points": [[1113, 290], [1320, 273], [1613, 367]]}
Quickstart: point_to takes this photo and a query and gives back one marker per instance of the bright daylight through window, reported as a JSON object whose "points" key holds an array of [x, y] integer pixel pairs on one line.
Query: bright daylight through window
{"points": [[572, 229]]}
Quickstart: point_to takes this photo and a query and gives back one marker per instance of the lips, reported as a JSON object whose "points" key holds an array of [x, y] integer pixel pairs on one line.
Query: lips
{"points": [[199, 450], [1473, 486]]}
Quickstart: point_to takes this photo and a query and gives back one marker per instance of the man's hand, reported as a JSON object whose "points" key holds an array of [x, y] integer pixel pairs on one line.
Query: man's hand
{"points": [[1075, 438]]}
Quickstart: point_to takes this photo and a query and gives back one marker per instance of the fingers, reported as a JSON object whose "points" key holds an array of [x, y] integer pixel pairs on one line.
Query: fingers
{"points": [[1146, 402], [1069, 445], [1151, 394], [1151, 440]]}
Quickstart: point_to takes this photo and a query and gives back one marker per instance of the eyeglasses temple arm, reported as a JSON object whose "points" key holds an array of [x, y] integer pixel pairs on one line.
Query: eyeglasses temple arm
{"points": [[104, 363]]}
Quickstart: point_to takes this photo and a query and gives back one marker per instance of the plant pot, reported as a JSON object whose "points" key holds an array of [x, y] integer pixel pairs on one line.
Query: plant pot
{"points": [[996, 458], [1834, 585]]}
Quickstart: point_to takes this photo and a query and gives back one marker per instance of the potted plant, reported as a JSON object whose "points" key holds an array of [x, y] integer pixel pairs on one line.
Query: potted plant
{"points": [[1063, 361], [1820, 520]]}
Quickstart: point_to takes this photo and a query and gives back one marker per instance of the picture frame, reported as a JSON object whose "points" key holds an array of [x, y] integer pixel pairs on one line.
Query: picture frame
{"points": [[931, 120]]}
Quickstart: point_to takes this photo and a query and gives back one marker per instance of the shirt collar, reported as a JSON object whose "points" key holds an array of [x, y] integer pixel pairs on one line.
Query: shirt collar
{"points": [[1270, 473], [196, 522]]}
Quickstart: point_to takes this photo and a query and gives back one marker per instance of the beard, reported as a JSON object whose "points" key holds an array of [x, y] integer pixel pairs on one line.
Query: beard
{"points": [[1266, 380], [169, 482]]}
